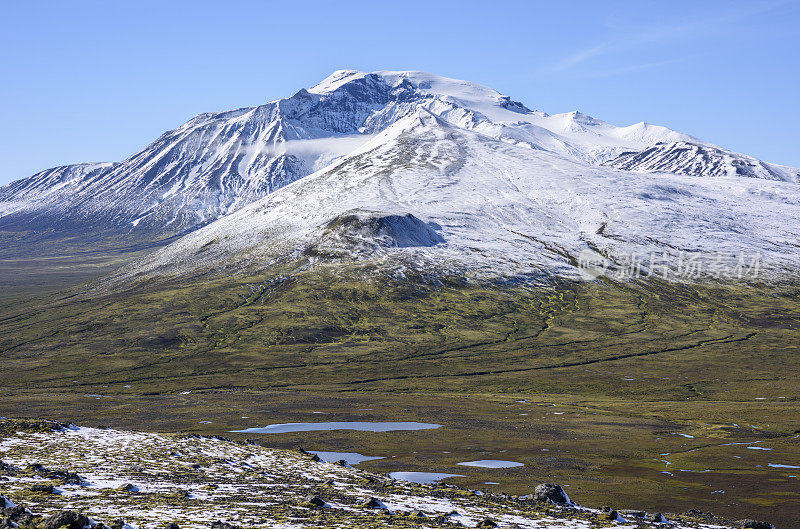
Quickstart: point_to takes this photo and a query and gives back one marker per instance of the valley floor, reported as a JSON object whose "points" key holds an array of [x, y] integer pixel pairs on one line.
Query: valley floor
{"points": [[656, 396]]}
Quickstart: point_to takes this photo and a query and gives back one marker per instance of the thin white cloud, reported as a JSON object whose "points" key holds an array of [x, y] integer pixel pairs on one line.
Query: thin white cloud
{"points": [[700, 26], [636, 67], [583, 55]]}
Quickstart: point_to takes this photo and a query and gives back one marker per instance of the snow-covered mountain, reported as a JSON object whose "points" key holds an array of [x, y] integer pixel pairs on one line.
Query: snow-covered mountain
{"points": [[440, 170], [426, 194], [217, 163]]}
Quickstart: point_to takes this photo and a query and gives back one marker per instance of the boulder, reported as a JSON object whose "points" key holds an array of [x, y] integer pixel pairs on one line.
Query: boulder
{"points": [[71, 478], [375, 503], [614, 516], [5, 503], [171, 525], [223, 525], [18, 514], [316, 501], [42, 487], [71, 519], [487, 522], [657, 518], [550, 492]]}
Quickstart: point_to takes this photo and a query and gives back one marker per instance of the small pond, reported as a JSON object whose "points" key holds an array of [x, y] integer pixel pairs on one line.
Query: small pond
{"points": [[424, 478], [340, 425], [351, 458], [492, 463]]}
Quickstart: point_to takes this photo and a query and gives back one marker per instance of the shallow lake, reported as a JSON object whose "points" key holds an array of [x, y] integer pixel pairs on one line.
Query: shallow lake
{"points": [[492, 463], [778, 465], [351, 458], [423, 477], [340, 425]]}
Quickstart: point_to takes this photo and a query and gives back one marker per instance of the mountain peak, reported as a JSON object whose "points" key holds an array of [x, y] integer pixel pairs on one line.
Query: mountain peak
{"points": [[335, 80], [218, 163]]}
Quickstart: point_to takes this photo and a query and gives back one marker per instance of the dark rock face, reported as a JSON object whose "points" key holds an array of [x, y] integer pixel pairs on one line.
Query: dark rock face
{"points": [[373, 229], [172, 525], [550, 492], [694, 160]]}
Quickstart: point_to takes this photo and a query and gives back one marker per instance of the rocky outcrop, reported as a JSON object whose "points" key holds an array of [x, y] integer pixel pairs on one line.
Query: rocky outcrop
{"points": [[551, 492]]}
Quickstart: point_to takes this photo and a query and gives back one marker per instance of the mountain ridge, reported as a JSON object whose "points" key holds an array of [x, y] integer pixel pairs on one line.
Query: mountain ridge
{"points": [[216, 163], [501, 210], [569, 186]]}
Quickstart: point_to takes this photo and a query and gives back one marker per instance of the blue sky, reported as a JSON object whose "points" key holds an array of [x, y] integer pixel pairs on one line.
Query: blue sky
{"points": [[99, 80]]}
